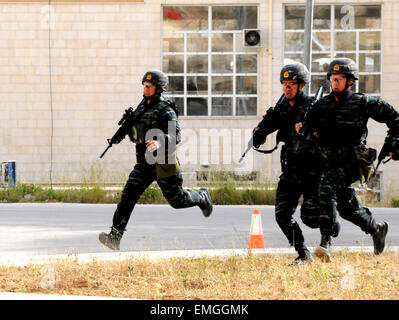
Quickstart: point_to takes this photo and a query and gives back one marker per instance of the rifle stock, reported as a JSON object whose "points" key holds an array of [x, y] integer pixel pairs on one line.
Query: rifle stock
{"points": [[249, 146]]}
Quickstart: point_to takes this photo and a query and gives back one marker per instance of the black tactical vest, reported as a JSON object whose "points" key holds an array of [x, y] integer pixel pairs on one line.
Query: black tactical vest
{"points": [[343, 123], [297, 153], [288, 116], [149, 119]]}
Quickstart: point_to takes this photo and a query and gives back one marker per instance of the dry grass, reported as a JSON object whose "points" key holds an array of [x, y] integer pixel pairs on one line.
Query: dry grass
{"points": [[349, 276]]}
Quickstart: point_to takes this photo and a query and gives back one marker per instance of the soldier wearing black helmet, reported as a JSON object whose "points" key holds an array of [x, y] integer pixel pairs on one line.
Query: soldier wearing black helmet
{"points": [[300, 165], [156, 159], [339, 121]]}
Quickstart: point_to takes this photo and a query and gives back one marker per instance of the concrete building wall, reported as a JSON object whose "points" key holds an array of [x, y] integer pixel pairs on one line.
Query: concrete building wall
{"points": [[99, 52], [64, 91]]}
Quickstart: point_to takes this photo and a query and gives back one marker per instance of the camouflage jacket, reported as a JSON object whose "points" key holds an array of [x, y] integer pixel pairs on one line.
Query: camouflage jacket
{"points": [[341, 127], [157, 121], [296, 152]]}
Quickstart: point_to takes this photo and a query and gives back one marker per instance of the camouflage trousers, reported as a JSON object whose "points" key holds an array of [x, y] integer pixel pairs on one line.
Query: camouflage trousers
{"points": [[289, 190], [336, 194], [140, 179]]}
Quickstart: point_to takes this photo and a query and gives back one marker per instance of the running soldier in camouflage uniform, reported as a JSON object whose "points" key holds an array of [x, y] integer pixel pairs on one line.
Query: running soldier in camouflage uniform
{"points": [[339, 121], [157, 115], [300, 164]]}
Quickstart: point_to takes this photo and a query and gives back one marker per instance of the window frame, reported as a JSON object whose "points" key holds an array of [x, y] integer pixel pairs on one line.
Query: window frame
{"points": [[332, 52], [210, 54]]}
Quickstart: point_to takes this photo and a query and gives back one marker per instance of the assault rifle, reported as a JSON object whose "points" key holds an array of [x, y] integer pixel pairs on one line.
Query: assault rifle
{"points": [[257, 140], [306, 129], [126, 124], [385, 150]]}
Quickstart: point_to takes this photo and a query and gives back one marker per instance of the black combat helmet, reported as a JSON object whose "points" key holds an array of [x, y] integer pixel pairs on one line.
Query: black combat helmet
{"points": [[294, 71], [157, 78], [343, 66]]}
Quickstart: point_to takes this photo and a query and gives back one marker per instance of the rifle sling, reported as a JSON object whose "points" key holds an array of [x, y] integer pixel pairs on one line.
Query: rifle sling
{"points": [[267, 151]]}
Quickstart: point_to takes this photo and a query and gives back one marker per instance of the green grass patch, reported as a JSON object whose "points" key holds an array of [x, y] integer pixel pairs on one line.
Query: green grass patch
{"points": [[33, 193], [221, 195], [228, 195], [395, 203]]}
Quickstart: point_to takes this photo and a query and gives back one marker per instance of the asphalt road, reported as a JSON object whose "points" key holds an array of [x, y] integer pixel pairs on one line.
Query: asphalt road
{"points": [[38, 229]]}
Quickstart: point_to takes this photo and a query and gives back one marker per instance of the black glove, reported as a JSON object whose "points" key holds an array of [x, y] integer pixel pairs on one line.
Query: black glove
{"points": [[260, 133], [395, 148], [258, 137]]}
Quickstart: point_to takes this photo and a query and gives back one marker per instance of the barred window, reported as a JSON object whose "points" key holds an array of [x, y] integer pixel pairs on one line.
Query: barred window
{"points": [[352, 31], [210, 72]]}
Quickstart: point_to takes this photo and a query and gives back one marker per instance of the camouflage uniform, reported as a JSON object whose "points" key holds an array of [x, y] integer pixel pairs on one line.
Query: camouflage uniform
{"points": [[339, 122], [341, 128], [300, 169], [154, 116], [167, 175]]}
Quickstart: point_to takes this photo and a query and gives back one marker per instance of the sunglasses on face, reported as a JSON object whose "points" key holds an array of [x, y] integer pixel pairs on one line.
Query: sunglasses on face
{"points": [[339, 79], [289, 85]]}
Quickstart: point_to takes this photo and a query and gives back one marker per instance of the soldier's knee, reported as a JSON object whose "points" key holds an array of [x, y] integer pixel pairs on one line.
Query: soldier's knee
{"points": [[280, 221], [127, 200], [310, 215], [284, 219], [310, 212], [348, 204], [284, 210], [311, 221], [176, 204], [345, 211], [281, 216]]}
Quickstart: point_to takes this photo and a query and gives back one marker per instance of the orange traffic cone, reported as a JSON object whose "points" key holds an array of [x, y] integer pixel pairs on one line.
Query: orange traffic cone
{"points": [[256, 240]]}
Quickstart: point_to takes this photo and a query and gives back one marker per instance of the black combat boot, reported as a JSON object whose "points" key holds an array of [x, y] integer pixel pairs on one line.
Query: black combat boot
{"points": [[206, 202], [112, 239], [304, 257], [323, 251], [379, 234]]}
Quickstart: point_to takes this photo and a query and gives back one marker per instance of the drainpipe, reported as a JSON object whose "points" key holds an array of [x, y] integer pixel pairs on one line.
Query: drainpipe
{"points": [[270, 81], [308, 39]]}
